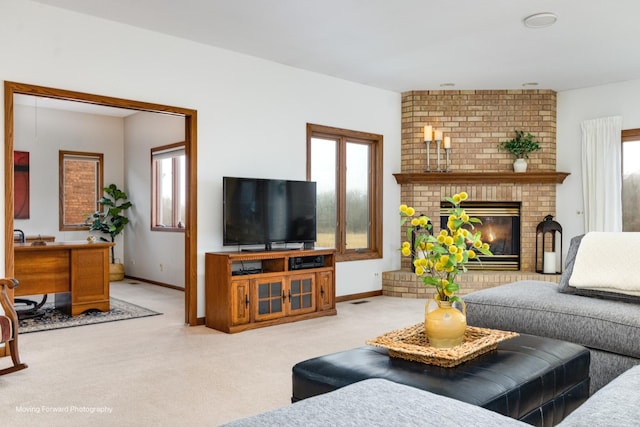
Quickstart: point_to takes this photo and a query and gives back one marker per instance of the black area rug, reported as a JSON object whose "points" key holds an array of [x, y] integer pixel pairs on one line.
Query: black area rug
{"points": [[54, 319]]}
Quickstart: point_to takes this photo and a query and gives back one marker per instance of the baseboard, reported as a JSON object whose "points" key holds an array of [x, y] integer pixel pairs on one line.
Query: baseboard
{"points": [[352, 297], [153, 282]]}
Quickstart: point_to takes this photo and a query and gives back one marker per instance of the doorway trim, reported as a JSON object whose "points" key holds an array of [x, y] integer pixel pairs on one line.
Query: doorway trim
{"points": [[190, 131]]}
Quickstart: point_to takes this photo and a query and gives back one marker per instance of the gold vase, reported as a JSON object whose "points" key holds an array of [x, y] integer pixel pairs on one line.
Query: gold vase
{"points": [[444, 325]]}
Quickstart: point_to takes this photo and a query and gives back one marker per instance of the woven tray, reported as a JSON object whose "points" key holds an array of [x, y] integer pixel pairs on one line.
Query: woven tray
{"points": [[412, 344]]}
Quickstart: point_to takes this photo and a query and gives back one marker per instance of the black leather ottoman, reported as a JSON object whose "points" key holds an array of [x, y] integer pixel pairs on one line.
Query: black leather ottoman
{"points": [[533, 379]]}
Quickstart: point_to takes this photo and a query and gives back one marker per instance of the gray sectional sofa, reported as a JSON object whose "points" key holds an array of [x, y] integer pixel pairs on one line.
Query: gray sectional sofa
{"points": [[607, 324], [378, 402]]}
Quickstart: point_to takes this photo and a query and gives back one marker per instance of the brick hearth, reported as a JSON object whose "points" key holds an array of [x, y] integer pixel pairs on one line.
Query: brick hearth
{"points": [[403, 283], [477, 121]]}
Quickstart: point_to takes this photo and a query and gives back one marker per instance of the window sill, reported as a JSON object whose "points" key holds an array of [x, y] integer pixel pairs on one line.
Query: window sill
{"points": [[168, 229]]}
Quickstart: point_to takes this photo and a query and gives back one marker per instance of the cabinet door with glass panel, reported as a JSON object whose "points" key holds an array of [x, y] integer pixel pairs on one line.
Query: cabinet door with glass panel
{"points": [[269, 298], [277, 297], [301, 297]]}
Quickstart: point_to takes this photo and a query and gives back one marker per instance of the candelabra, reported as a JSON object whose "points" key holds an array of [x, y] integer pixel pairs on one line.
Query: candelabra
{"points": [[436, 136]]}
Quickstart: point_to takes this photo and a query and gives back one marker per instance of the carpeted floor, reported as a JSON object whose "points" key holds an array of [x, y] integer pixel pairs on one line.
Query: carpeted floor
{"points": [[54, 319], [156, 372]]}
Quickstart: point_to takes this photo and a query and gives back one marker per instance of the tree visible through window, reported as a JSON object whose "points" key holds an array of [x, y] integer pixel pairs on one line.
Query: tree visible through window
{"points": [[347, 167], [80, 188], [630, 180], [168, 169]]}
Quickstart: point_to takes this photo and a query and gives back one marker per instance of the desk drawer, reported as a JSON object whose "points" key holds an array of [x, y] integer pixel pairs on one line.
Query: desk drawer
{"points": [[42, 272]]}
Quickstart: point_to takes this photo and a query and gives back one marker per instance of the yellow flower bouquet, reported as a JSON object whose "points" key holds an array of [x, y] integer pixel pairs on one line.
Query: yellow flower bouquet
{"points": [[439, 259]]}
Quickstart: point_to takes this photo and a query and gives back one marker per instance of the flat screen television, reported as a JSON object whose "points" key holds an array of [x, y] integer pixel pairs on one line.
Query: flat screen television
{"points": [[259, 211]]}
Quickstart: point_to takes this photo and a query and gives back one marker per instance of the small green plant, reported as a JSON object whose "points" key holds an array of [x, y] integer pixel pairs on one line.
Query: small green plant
{"points": [[521, 145], [110, 220]]}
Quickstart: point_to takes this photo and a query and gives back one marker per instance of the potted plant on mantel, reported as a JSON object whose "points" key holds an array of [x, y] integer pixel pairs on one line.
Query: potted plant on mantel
{"points": [[520, 147], [111, 221]]}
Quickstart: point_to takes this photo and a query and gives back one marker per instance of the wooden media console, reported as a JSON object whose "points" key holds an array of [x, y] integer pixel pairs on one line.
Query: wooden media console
{"points": [[246, 290]]}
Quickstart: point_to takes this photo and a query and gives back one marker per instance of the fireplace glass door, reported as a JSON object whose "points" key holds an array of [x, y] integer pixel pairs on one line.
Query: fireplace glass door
{"points": [[500, 228]]}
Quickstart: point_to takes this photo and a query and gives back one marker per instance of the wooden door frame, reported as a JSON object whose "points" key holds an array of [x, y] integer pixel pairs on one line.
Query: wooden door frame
{"points": [[190, 138]]}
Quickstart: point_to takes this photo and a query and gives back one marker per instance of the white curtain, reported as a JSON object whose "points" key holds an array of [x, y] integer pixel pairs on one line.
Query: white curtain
{"points": [[602, 174]]}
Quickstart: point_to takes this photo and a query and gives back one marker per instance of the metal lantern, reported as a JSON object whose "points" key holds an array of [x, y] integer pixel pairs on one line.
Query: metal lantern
{"points": [[548, 232]]}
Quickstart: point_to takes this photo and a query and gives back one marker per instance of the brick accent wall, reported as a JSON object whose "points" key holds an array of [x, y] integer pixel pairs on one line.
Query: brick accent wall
{"points": [[477, 121]]}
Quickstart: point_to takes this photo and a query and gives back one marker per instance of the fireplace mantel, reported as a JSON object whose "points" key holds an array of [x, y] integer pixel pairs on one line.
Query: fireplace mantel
{"points": [[481, 178]]}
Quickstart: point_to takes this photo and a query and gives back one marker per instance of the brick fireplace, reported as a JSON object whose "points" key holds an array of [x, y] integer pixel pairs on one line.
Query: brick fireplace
{"points": [[477, 121]]}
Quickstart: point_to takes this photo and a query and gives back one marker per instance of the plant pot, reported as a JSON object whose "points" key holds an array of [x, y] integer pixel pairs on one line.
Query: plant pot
{"points": [[444, 325], [116, 272], [520, 165]]}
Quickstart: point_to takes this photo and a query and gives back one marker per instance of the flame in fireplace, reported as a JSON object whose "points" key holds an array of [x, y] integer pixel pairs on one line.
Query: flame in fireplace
{"points": [[488, 235]]}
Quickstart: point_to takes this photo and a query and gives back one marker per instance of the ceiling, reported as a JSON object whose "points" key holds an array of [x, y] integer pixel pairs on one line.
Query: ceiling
{"points": [[403, 45]]}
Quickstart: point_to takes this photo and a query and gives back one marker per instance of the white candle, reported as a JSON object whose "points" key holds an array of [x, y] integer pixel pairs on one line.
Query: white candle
{"points": [[438, 135], [447, 142], [549, 263], [428, 133]]}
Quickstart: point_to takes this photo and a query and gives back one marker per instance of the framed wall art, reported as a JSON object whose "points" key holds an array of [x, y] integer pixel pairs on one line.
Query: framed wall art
{"points": [[21, 185]]}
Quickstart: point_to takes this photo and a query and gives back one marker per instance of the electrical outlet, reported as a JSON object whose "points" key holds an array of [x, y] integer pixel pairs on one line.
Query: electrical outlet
{"points": [[161, 267]]}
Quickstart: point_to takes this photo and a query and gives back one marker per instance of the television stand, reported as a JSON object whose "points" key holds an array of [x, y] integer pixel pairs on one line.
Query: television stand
{"points": [[280, 291]]}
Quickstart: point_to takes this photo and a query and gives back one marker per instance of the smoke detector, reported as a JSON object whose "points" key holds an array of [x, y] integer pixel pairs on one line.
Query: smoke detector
{"points": [[540, 20]]}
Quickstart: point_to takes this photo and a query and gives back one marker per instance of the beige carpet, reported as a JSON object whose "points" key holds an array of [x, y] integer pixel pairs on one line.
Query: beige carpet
{"points": [[155, 371]]}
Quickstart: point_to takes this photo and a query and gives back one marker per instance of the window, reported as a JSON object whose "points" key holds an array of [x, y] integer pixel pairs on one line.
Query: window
{"points": [[168, 181], [630, 180], [347, 166], [80, 185]]}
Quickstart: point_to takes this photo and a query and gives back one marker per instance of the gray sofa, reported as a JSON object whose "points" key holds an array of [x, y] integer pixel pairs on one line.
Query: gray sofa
{"points": [[607, 324], [378, 402]]}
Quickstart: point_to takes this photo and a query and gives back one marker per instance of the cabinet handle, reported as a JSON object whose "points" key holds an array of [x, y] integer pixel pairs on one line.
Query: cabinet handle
{"points": [[284, 297], [289, 295], [246, 300], [322, 291]]}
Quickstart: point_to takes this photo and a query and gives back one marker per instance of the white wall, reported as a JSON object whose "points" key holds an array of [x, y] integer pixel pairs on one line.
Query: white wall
{"points": [[151, 255], [575, 106], [251, 113], [43, 132], [126, 145]]}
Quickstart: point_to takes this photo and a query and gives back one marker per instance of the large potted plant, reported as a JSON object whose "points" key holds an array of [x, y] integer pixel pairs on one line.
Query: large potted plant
{"points": [[520, 147], [110, 221]]}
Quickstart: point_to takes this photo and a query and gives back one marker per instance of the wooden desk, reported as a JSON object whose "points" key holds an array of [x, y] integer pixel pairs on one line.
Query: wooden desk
{"points": [[77, 272]]}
